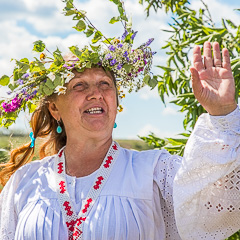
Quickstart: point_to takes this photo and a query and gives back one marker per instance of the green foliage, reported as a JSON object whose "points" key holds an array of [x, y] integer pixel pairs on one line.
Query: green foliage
{"points": [[3, 155], [4, 80], [39, 46], [190, 28], [168, 5], [236, 236], [172, 145]]}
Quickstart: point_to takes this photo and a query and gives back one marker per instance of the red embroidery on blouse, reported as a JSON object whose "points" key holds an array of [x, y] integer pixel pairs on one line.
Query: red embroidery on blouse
{"points": [[71, 225], [115, 147], [98, 183], [60, 167], [60, 154], [62, 187], [68, 208], [87, 205], [76, 233], [108, 162], [80, 220]]}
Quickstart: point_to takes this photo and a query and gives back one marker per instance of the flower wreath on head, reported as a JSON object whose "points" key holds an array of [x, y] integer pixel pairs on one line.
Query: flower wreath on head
{"points": [[49, 73]]}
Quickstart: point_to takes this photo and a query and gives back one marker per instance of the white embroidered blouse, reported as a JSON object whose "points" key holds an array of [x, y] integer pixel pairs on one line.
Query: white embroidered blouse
{"points": [[143, 198]]}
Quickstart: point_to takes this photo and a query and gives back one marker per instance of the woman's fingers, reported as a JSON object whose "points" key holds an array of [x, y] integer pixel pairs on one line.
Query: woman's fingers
{"points": [[196, 83], [216, 55], [207, 53], [197, 58], [226, 59]]}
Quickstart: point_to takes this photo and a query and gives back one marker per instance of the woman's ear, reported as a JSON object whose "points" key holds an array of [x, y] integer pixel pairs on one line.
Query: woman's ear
{"points": [[52, 107]]}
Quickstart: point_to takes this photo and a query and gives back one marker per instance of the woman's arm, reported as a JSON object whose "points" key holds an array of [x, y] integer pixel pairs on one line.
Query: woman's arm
{"points": [[206, 189]]}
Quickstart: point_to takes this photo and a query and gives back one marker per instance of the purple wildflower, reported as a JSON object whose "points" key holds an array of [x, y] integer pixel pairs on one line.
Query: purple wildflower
{"points": [[34, 92], [124, 34], [125, 54], [69, 67], [20, 81], [134, 34], [112, 48], [113, 62], [149, 42], [26, 75], [119, 66], [120, 45], [108, 56], [13, 106]]}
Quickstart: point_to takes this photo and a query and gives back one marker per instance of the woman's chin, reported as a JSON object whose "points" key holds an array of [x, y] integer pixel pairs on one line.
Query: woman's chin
{"points": [[99, 126]]}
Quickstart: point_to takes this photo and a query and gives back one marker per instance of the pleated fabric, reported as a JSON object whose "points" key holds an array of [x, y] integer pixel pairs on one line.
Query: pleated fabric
{"points": [[132, 204]]}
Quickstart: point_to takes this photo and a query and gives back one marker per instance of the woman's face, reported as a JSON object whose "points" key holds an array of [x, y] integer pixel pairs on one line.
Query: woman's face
{"points": [[89, 105]]}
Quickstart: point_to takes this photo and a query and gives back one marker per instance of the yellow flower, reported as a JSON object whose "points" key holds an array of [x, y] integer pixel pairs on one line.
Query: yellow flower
{"points": [[42, 56], [116, 40], [120, 108]]}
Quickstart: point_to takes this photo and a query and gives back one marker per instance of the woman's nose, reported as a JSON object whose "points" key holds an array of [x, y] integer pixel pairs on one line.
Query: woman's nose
{"points": [[94, 92]]}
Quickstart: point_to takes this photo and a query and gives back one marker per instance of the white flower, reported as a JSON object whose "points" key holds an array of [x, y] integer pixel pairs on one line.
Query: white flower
{"points": [[51, 76], [68, 76], [60, 90]]}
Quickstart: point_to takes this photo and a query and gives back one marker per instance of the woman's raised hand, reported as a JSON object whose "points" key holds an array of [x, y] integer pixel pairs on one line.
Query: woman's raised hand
{"points": [[212, 79]]}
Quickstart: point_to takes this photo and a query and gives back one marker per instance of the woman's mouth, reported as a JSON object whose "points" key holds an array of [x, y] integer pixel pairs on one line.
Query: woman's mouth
{"points": [[96, 110]]}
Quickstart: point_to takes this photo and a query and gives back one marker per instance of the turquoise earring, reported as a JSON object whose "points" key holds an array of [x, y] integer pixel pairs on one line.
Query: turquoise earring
{"points": [[59, 128], [115, 125]]}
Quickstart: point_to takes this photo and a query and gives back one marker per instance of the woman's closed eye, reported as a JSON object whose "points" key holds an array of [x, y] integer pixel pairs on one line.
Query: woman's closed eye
{"points": [[104, 84], [79, 86]]}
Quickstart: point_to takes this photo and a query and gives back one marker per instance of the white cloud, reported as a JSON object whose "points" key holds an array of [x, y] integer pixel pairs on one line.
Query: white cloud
{"points": [[33, 6], [147, 129], [146, 93], [169, 111]]}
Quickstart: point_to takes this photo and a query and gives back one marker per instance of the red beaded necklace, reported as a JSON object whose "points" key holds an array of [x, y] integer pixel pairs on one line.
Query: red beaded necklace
{"points": [[73, 220]]}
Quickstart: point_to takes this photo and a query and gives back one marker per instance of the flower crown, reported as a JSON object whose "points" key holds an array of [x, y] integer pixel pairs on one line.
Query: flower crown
{"points": [[48, 74]]}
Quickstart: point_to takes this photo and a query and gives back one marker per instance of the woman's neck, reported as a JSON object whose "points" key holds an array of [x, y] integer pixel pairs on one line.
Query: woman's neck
{"points": [[83, 157]]}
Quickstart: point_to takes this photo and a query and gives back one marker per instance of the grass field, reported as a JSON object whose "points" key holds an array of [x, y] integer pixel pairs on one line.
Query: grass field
{"points": [[10, 142]]}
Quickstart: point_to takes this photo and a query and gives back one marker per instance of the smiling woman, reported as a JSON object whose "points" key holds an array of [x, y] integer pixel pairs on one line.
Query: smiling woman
{"points": [[86, 186]]}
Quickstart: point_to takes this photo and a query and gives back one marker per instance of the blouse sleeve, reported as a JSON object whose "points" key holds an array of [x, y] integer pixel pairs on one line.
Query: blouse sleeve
{"points": [[206, 189], [8, 216]]}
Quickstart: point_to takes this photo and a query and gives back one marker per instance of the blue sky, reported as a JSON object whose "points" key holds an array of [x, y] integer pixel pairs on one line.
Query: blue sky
{"points": [[24, 21]]}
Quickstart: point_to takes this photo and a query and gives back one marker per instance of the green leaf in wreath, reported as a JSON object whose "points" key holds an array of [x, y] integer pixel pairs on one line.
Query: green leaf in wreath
{"points": [[127, 67], [39, 46], [114, 19], [75, 50], [47, 90], [4, 80], [81, 26]]}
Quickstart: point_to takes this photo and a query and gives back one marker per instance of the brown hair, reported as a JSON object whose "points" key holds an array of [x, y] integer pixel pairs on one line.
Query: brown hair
{"points": [[43, 126]]}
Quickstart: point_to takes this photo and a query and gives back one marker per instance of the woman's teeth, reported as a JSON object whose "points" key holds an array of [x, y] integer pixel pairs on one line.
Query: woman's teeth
{"points": [[94, 110]]}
